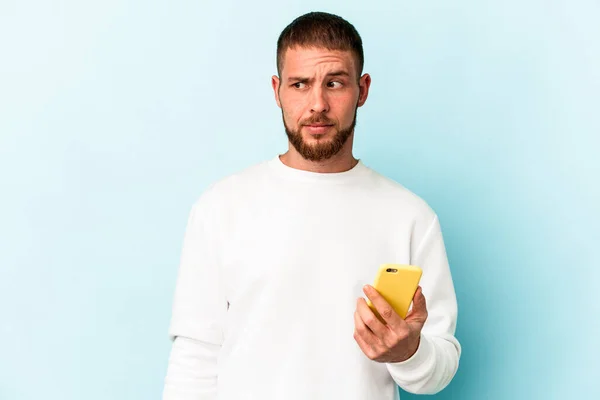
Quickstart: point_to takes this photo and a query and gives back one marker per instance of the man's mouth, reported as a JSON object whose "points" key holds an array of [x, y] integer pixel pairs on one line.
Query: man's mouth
{"points": [[316, 129]]}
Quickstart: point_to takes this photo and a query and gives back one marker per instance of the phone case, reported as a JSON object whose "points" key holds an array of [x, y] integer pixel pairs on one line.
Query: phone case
{"points": [[397, 283]]}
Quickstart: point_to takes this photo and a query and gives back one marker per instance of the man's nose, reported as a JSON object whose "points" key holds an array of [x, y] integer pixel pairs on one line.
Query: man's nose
{"points": [[318, 101]]}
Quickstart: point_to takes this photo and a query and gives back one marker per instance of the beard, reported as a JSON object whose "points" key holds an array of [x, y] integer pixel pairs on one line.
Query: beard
{"points": [[322, 149]]}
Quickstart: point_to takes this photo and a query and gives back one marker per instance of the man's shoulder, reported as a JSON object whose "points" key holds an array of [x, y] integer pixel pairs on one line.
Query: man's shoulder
{"points": [[398, 196], [234, 184], [244, 177]]}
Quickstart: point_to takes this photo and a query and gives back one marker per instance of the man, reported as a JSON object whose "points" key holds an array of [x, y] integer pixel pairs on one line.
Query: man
{"points": [[269, 298]]}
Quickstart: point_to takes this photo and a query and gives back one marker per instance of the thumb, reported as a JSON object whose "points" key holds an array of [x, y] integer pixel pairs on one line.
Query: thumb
{"points": [[418, 313]]}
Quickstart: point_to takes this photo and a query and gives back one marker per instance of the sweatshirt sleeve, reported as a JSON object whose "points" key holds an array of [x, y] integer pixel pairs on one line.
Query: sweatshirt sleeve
{"points": [[192, 370], [199, 309], [435, 362]]}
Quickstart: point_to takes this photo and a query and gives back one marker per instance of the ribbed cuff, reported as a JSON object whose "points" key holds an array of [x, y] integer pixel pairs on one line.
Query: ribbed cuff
{"points": [[417, 366]]}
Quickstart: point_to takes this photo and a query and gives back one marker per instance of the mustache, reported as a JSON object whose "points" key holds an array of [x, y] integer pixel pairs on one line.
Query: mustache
{"points": [[317, 119]]}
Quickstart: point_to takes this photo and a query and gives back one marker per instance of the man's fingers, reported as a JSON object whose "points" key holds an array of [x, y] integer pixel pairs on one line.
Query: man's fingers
{"points": [[370, 319], [384, 309], [363, 336], [364, 346], [363, 329]]}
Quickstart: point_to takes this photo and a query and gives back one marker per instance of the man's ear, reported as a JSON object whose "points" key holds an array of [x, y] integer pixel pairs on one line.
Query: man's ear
{"points": [[364, 83], [275, 85]]}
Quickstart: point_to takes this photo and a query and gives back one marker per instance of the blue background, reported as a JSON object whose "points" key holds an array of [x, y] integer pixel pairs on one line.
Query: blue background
{"points": [[116, 115]]}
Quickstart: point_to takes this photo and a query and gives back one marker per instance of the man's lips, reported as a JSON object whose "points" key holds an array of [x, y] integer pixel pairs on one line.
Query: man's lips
{"points": [[317, 128]]}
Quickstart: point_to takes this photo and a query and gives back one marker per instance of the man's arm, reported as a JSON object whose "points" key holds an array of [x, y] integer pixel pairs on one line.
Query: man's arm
{"points": [[192, 370], [199, 308], [431, 368]]}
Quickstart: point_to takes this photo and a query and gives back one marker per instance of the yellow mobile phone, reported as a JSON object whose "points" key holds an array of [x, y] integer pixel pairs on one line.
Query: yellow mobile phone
{"points": [[397, 283]]}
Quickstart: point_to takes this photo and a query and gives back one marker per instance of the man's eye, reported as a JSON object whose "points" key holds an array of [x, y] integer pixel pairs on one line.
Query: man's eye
{"points": [[335, 84], [299, 85]]}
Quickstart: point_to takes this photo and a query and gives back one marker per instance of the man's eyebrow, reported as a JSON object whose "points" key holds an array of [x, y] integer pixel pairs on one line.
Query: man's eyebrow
{"points": [[298, 79], [301, 79], [340, 72]]}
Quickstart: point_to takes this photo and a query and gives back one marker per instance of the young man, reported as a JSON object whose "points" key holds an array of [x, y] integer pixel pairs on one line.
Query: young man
{"points": [[269, 299]]}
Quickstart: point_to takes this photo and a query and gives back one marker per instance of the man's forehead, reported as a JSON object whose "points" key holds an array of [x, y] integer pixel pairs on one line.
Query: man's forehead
{"points": [[300, 57], [302, 53], [303, 61]]}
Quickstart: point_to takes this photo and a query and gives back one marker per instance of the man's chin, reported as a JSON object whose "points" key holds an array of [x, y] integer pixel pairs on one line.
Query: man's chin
{"points": [[310, 136], [313, 138]]}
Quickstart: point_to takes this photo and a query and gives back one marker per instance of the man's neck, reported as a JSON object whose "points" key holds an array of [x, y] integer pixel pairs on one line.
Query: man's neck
{"points": [[341, 162]]}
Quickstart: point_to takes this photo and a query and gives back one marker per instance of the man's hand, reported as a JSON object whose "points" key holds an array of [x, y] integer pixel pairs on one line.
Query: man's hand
{"points": [[396, 340]]}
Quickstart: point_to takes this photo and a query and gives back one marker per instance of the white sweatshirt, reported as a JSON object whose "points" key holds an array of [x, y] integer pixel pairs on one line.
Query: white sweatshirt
{"points": [[273, 261]]}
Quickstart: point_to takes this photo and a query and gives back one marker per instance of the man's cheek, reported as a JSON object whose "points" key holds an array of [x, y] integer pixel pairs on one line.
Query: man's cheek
{"points": [[290, 118]]}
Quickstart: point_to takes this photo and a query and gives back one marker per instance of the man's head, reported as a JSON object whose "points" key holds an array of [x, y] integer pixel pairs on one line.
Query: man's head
{"points": [[319, 88]]}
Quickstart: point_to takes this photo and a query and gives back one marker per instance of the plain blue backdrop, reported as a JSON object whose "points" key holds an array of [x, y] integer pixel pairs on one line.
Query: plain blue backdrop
{"points": [[115, 115]]}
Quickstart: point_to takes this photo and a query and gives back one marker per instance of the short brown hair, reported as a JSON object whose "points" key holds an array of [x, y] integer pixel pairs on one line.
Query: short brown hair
{"points": [[320, 29]]}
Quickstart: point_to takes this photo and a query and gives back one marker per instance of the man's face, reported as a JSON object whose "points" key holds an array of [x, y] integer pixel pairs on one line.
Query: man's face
{"points": [[318, 93]]}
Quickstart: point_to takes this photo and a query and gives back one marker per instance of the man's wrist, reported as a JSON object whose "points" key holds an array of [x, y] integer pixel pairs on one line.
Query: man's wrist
{"points": [[412, 349], [417, 342]]}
